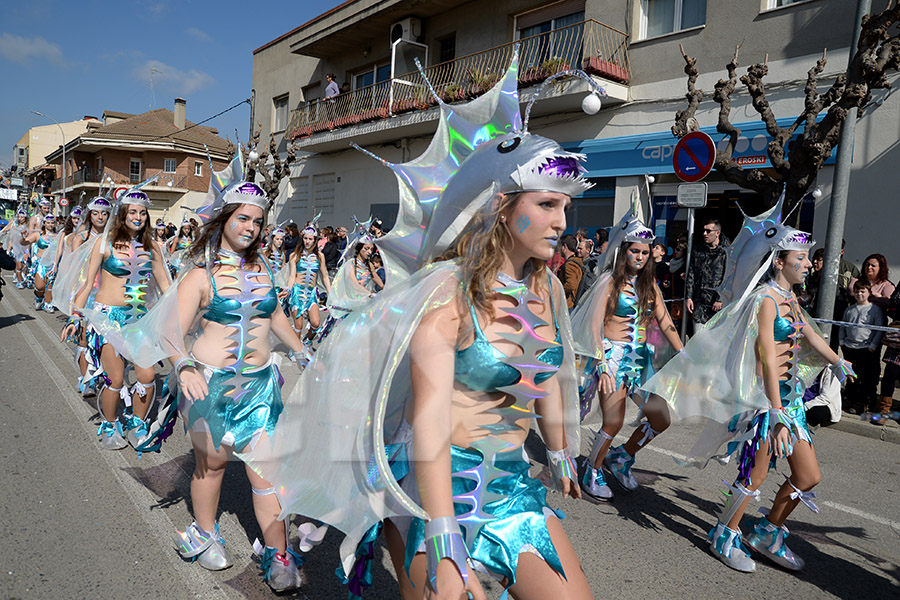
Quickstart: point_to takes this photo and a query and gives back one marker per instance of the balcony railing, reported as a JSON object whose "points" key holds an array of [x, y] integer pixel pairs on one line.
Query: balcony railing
{"points": [[76, 178], [590, 45]]}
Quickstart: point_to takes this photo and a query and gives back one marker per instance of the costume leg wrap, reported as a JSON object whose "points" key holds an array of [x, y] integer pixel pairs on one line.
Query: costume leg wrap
{"points": [[599, 438], [649, 434], [735, 497], [807, 498]]}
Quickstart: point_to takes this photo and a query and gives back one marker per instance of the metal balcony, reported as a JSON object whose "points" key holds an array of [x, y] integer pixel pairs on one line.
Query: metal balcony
{"points": [[593, 46]]}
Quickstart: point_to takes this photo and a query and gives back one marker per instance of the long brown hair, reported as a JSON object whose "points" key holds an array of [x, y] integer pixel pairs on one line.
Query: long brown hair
{"points": [[645, 287], [212, 230], [122, 235], [481, 247]]}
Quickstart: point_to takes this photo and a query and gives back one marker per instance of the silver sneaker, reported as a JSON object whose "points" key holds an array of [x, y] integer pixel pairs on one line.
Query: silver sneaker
{"points": [[594, 483], [279, 570], [769, 540], [208, 549], [725, 544], [110, 435], [619, 464], [136, 430]]}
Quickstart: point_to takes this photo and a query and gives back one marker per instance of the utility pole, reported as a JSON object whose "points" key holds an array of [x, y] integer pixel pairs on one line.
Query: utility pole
{"points": [[63, 134], [837, 210]]}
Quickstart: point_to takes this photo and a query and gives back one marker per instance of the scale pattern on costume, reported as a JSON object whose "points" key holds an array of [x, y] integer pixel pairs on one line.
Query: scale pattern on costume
{"points": [[631, 362], [139, 267], [244, 308], [523, 393]]}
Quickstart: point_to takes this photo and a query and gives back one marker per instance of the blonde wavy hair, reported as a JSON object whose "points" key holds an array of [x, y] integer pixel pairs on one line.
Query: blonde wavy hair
{"points": [[481, 246]]}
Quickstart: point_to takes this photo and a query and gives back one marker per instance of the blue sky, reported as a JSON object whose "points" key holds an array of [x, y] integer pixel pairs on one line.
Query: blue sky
{"points": [[69, 59]]}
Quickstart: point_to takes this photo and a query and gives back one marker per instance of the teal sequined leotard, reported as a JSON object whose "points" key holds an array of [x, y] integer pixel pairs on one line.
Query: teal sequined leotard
{"points": [[501, 510], [244, 399]]}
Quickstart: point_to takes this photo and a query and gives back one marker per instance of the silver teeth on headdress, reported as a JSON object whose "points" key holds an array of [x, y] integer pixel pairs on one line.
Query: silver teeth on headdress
{"points": [[100, 203]]}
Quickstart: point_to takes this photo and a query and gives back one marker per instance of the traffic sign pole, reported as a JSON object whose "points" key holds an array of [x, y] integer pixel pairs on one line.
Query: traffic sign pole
{"points": [[690, 196]]}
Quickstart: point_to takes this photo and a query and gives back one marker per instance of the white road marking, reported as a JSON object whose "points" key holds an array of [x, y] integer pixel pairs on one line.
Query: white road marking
{"points": [[835, 505], [194, 578]]}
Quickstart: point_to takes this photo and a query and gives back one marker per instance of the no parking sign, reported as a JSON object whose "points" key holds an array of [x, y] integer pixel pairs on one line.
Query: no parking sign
{"points": [[694, 156]]}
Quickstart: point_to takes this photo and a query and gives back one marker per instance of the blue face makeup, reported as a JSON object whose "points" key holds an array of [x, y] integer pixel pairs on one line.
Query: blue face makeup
{"points": [[523, 223], [233, 225]]}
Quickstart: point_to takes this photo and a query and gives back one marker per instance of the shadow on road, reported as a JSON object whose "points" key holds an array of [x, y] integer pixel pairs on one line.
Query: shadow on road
{"points": [[14, 319]]}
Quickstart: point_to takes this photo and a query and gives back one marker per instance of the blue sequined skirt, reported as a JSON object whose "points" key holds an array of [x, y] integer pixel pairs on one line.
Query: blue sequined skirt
{"points": [[520, 516], [95, 341], [302, 298], [761, 427], [235, 417], [629, 363]]}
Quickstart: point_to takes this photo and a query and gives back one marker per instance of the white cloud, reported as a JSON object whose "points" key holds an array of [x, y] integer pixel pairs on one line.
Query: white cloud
{"points": [[22, 50], [199, 34], [166, 77]]}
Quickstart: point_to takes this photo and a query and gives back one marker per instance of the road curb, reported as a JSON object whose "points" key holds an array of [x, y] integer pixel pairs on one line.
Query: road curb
{"points": [[855, 425]]}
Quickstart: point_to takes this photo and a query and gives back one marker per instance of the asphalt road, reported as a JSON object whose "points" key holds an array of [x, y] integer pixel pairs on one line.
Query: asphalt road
{"points": [[81, 522]]}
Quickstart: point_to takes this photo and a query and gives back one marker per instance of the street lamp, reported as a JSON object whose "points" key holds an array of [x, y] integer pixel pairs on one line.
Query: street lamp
{"points": [[63, 133]]}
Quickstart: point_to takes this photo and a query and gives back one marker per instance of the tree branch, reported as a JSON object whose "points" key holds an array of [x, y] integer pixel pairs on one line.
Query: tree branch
{"points": [[685, 122]]}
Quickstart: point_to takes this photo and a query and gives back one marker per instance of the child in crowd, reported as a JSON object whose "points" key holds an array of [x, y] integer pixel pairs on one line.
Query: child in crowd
{"points": [[861, 347]]}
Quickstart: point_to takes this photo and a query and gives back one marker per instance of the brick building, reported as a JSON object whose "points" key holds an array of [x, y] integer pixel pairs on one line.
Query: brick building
{"points": [[128, 149]]}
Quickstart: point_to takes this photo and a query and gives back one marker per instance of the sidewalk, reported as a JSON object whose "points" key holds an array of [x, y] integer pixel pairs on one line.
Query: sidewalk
{"points": [[889, 432]]}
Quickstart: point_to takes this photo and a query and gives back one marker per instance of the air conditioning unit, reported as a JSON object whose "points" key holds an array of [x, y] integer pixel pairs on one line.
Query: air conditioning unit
{"points": [[409, 29]]}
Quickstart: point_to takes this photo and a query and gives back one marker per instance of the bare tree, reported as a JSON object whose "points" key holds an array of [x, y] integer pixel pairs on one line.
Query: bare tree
{"points": [[271, 174], [797, 160]]}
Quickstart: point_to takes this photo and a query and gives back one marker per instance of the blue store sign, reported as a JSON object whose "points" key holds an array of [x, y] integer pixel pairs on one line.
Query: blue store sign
{"points": [[652, 152]]}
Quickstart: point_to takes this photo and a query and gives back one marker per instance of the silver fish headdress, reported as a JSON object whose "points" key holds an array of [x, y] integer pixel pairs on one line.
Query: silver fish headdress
{"points": [[228, 187], [750, 255], [480, 149]]}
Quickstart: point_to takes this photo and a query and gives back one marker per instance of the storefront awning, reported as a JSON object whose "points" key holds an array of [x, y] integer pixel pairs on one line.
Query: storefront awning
{"points": [[651, 153]]}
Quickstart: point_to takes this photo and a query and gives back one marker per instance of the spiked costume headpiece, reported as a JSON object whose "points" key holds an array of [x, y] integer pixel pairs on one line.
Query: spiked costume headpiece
{"points": [[480, 149], [751, 253], [228, 187]]}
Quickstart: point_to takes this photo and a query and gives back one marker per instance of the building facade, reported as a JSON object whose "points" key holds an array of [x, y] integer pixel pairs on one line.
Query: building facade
{"points": [[124, 149], [631, 48]]}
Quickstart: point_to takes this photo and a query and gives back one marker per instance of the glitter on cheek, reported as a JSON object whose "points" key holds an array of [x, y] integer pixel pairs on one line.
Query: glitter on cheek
{"points": [[523, 223], [233, 225]]}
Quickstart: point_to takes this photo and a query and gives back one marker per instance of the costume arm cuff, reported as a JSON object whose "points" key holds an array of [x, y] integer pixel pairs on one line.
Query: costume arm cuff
{"points": [[182, 363], [779, 415], [561, 466], [842, 370], [443, 539]]}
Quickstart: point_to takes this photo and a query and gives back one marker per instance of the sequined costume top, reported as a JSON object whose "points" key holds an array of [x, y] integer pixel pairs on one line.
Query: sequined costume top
{"points": [[137, 268], [480, 366], [183, 243], [363, 274], [307, 269], [276, 259]]}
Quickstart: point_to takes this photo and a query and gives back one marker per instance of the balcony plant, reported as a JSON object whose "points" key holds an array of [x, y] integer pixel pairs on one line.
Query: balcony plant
{"points": [[610, 69], [554, 65], [453, 93]]}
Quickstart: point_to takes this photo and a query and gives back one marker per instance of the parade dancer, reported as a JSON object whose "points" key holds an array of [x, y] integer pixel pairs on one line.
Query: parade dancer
{"points": [[443, 372], [746, 371], [277, 259], [131, 272], [354, 283], [178, 245], [226, 385], [305, 267], [41, 269], [611, 325], [18, 247], [79, 246]]}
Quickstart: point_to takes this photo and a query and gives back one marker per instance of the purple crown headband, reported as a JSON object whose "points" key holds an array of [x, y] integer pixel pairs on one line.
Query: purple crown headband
{"points": [[136, 197], [99, 203]]}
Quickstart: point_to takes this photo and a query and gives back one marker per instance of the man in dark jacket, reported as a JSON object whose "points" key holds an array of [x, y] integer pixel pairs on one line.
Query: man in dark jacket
{"points": [[707, 269]]}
